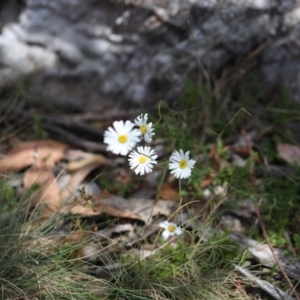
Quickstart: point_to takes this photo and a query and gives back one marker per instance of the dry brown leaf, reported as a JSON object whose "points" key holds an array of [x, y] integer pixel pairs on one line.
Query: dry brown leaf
{"points": [[243, 151], [115, 212], [96, 159], [97, 210], [168, 192], [145, 209], [78, 209], [80, 174], [77, 237], [76, 154], [207, 181], [38, 153], [48, 194], [289, 153]]}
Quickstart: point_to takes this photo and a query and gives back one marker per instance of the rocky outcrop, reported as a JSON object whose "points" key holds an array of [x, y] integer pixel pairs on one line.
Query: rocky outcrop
{"points": [[90, 54], [280, 61]]}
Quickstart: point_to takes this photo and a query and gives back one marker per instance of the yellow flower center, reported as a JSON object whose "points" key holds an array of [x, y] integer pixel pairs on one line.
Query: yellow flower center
{"points": [[183, 164], [122, 139], [171, 228], [143, 129], [142, 159]]}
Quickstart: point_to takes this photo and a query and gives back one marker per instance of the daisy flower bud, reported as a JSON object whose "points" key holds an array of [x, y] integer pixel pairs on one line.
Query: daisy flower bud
{"points": [[180, 164], [122, 137], [142, 160], [170, 229], [146, 129]]}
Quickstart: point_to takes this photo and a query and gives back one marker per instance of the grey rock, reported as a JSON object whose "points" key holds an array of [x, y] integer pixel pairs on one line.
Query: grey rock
{"points": [[280, 61], [94, 54]]}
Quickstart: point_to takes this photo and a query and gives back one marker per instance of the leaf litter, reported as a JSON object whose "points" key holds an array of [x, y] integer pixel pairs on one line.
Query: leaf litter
{"points": [[57, 177], [39, 153]]}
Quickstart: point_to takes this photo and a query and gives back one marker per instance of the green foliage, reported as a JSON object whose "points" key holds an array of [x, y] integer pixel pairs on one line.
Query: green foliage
{"points": [[225, 251], [38, 127], [282, 201], [296, 238], [8, 197], [277, 237]]}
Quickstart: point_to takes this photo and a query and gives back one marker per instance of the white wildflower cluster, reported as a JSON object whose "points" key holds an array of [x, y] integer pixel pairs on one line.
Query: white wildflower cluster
{"points": [[123, 137]]}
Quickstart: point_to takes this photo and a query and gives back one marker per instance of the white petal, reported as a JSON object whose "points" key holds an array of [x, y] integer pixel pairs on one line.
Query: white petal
{"points": [[178, 231], [164, 224], [166, 234], [118, 125], [128, 126], [173, 165]]}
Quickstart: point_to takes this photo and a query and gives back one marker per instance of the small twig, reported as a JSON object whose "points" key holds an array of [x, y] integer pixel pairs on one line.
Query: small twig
{"points": [[263, 228]]}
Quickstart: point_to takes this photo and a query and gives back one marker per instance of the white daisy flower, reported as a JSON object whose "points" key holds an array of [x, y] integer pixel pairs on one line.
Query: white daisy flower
{"points": [[146, 129], [143, 160], [122, 138], [180, 164], [170, 229]]}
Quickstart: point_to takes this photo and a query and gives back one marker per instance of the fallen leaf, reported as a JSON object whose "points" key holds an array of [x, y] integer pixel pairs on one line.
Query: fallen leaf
{"points": [[78, 209], [289, 153], [168, 192], [98, 209], [115, 212], [95, 159], [76, 178], [38, 153], [243, 151], [48, 193], [76, 237], [207, 181], [144, 209], [76, 154]]}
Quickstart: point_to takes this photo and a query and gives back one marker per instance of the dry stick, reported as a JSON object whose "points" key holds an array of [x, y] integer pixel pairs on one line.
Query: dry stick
{"points": [[263, 228]]}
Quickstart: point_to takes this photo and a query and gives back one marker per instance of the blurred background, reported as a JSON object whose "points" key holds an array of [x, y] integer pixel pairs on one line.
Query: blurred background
{"points": [[100, 55]]}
